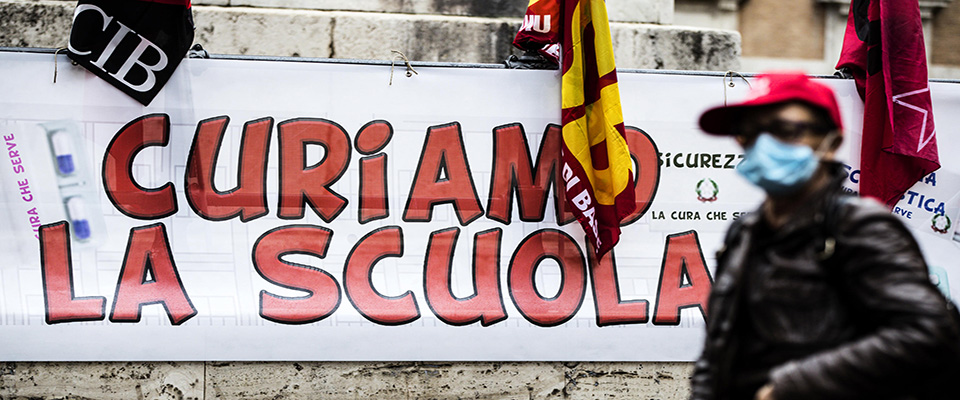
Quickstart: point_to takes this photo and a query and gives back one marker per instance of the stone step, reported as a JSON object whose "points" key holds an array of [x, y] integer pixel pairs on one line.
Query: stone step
{"points": [[361, 35], [647, 11]]}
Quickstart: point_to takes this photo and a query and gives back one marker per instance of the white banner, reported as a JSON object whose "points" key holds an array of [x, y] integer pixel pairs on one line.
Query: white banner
{"points": [[264, 210]]}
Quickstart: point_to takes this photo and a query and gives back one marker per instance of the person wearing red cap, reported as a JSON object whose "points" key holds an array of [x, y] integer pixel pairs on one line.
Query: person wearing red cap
{"points": [[818, 295]]}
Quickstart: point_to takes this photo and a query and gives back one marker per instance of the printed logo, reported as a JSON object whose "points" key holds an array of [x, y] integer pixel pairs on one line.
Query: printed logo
{"points": [[532, 23], [940, 223], [135, 54], [707, 185]]}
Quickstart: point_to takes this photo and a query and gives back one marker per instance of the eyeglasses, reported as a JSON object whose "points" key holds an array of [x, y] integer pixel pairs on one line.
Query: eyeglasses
{"points": [[785, 130]]}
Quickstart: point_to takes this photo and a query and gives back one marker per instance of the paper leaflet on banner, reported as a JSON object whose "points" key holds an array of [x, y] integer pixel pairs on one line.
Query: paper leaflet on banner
{"points": [[932, 206], [941, 257], [49, 179], [931, 209]]}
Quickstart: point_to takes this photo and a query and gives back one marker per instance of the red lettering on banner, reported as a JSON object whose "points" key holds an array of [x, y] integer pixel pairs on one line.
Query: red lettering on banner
{"points": [[149, 276], [443, 176], [644, 153], [556, 245], [682, 257], [323, 291], [373, 136], [126, 195], [513, 171], [485, 304], [373, 170], [380, 309], [249, 198], [56, 269], [611, 310], [302, 184], [373, 189]]}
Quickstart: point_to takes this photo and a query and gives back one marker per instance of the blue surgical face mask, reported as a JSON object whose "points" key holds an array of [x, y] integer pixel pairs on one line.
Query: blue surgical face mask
{"points": [[778, 168]]}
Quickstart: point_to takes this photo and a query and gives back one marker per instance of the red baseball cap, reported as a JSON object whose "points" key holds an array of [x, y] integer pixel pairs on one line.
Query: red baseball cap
{"points": [[773, 88]]}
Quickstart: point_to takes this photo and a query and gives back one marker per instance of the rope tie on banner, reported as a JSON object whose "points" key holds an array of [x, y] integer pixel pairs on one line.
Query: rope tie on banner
{"points": [[730, 75], [55, 54], [406, 61]]}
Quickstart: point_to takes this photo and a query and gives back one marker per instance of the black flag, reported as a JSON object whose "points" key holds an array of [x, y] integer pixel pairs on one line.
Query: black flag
{"points": [[133, 44]]}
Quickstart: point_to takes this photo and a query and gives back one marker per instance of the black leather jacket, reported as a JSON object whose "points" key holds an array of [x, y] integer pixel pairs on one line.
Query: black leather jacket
{"points": [[837, 304]]}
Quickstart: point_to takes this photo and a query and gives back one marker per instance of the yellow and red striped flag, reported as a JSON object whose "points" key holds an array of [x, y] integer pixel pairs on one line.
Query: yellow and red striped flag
{"points": [[597, 168]]}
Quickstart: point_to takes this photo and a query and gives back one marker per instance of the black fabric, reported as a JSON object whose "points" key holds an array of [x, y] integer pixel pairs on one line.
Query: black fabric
{"points": [[135, 45], [941, 383], [855, 320]]}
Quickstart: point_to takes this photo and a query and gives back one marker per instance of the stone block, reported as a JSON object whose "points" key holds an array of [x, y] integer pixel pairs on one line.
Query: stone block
{"points": [[311, 380], [661, 381], [489, 380], [343, 380], [36, 23], [364, 35], [646, 46], [423, 37], [272, 32], [479, 8], [487, 40], [647, 11], [641, 11], [946, 37], [102, 381]]}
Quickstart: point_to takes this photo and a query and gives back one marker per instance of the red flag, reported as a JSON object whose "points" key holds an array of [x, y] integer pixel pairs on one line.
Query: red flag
{"points": [[883, 48], [540, 30]]}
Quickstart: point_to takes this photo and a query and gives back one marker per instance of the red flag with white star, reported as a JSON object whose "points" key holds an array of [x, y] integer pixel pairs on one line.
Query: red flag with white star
{"points": [[883, 48]]}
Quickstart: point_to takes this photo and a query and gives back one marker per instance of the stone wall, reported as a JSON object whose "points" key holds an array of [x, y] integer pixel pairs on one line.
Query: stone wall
{"points": [[946, 27], [334, 381], [650, 11], [424, 30], [769, 31]]}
